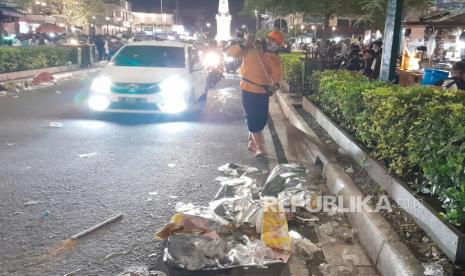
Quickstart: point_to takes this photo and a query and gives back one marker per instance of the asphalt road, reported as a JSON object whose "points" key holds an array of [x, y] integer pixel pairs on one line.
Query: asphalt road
{"points": [[140, 166]]}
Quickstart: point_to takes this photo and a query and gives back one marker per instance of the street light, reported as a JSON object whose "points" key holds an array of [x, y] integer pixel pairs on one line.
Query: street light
{"points": [[314, 31], [208, 25], [108, 27], [258, 22]]}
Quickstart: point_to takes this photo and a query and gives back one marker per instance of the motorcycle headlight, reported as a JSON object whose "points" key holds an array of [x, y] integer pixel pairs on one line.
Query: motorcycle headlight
{"points": [[212, 59], [229, 59], [101, 85]]}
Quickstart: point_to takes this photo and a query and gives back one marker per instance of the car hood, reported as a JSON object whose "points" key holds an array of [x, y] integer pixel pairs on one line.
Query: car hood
{"points": [[126, 74]]}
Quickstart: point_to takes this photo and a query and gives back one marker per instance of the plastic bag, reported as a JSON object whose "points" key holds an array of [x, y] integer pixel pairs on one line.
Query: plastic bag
{"points": [[235, 170], [275, 233], [287, 178]]}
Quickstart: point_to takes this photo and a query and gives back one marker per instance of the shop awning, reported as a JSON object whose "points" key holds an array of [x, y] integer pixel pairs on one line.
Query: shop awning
{"points": [[445, 19], [10, 12]]}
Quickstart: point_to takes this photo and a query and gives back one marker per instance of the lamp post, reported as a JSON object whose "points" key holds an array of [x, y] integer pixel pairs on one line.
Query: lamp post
{"points": [[302, 32], [161, 13], [108, 27], [258, 22]]}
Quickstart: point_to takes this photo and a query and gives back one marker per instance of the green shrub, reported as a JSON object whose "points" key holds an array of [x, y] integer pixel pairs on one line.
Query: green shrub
{"points": [[293, 68], [418, 132], [14, 59]]}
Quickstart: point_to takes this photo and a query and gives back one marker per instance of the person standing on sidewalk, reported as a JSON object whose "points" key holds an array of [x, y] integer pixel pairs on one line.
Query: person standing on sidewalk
{"points": [[261, 73]]}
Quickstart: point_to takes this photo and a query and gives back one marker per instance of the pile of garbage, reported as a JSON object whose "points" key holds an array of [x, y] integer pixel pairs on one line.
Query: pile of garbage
{"points": [[244, 225]]}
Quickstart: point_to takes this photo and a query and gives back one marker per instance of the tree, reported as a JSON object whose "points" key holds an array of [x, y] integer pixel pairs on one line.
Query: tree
{"points": [[73, 12], [368, 11]]}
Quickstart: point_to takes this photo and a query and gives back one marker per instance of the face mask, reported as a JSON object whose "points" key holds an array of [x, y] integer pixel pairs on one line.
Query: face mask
{"points": [[273, 47]]}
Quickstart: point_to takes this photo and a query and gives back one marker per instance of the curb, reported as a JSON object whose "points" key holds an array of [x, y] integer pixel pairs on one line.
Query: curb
{"points": [[382, 244], [13, 76]]}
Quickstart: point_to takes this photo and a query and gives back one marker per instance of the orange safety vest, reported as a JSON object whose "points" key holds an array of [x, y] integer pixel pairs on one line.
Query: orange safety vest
{"points": [[252, 70]]}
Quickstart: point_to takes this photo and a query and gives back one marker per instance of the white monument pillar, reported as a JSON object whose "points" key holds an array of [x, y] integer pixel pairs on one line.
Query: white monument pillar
{"points": [[223, 22]]}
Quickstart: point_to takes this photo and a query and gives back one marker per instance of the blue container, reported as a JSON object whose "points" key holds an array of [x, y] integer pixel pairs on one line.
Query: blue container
{"points": [[433, 76]]}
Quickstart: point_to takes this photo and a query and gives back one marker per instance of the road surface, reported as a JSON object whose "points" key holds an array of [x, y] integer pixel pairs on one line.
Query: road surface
{"points": [[64, 170]]}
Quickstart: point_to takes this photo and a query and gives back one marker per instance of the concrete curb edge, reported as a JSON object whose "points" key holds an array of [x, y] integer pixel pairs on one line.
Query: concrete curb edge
{"points": [[382, 244]]}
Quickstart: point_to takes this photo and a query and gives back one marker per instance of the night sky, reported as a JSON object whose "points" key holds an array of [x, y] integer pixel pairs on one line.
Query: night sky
{"points": [[210, 5]]}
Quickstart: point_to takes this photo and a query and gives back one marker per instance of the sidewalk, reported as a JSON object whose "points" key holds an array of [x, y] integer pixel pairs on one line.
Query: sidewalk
{"points": [[341, 251]]}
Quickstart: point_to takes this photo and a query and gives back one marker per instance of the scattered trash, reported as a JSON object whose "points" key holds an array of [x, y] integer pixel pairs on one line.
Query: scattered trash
{"points": [[55, 125], [45, 215], [31, 202], [58, 92], [287, 180], [96, 227], [433, 269], [181, 207], [3, 93], [149, 199], [425, 239], [173, 197], [350, 259], [115, 254], [153, 193], [327, 229], [43, 77], [222, 178], [9, 144], [18, 213], [73, 272], [304, 247], [171, 165], [156, 273], [236, 170], [135, 271], [87, 155], [347, 235], [311, 218], [349, 170], [15, 96]]}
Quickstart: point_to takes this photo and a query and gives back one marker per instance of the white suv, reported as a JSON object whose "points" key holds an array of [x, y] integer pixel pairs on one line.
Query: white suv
{"points": [[150, 77]]}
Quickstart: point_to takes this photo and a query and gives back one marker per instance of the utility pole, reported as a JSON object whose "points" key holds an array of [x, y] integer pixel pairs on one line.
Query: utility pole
{"points": [[392, 33], [162, 17]]}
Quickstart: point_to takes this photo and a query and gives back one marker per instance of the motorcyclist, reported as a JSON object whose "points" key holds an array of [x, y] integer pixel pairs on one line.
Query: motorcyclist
{"points": [[261, 73]]}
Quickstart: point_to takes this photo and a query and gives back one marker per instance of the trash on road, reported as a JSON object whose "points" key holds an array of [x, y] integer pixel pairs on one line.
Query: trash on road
{"points": [[55, 125], [304, 247], [153, 193], [9, 144], [32, 202], [135, 271], [234, 170], [240, 227], [96, 227], [87, 155], [171, 165], [43, 77], [73, 272], [58, 92], [109, 256]]}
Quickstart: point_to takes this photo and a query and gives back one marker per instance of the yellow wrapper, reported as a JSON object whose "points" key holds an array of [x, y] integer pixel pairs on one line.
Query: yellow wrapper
{"points": [[275, 232]]}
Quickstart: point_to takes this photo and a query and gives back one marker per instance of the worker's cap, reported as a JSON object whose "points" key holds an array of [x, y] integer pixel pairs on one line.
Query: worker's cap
{"points": [[277, 36]]}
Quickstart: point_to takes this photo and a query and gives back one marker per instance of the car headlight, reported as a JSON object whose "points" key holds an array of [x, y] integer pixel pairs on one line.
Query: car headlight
{"points": [[212, 60], [174, 84], [98, 102], [101, 84], [173, 91]]}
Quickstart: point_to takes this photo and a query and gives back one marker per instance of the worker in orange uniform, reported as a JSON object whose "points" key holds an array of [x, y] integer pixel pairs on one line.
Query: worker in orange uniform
{"points": [[261, 73]]}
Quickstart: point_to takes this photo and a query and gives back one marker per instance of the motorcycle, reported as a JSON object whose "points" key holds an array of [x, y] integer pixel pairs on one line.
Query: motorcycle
{"points": [[231, 64], [214, 63]]}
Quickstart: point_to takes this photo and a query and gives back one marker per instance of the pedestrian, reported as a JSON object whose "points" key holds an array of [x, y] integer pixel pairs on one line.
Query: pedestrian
{"points": [[376, 64], [368, 57], [457, 81], [261, 73], [100, 45]]}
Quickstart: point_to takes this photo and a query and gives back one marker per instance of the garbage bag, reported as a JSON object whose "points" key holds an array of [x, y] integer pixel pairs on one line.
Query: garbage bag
{"points": [[236, 210], [287, 178]]}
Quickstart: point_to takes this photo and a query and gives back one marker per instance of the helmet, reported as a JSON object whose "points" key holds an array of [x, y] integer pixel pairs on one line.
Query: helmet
{"points": [[277, 36]]}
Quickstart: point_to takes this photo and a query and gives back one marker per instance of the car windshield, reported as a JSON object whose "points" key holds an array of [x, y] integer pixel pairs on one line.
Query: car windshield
{"points": [[150, 56]]}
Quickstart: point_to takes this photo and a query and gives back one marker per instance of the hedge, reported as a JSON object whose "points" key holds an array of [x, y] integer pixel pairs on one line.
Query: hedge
{"points": [[418, 132], [14, 59], [293, 67]]}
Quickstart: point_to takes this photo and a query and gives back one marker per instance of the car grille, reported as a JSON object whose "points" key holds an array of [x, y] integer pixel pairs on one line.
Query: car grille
{"points": [[135, 88], [141, 106]]}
